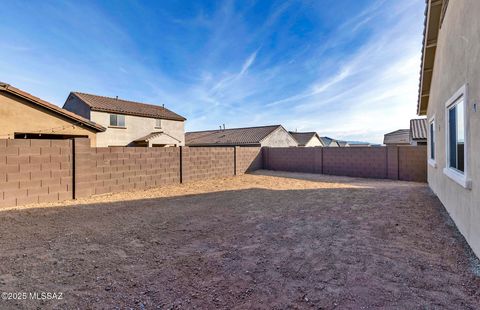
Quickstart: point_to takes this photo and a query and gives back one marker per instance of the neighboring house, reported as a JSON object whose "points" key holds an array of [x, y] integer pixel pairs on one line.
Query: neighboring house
{"points": [[129, 123], [450, 96], [416, 135], [271, 136], [397, 137], [418, 131], [329, 142], [27, 117], [359, 144], [307, 139], [343, 143]]}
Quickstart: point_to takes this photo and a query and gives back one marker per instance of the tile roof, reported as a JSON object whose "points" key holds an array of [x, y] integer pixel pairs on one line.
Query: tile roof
{"points": [[326, 141], [115, 105], [304, 137], [154, 135], [230, 136], [418, 129], [51, 107], [401, 136]]}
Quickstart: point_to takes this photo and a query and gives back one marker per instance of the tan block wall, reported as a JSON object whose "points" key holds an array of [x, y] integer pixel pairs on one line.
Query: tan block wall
{"points": [[118, 169], [412, 163], [406, 163], [365, 162], [33, 171], [19, 115], [248, 159], [201, 163]]}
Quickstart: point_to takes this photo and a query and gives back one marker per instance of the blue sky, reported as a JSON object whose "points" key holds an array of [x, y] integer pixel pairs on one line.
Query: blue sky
{"points": [[347, 69]]}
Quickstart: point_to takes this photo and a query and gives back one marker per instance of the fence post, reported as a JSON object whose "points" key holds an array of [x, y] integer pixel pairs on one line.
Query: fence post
{"points": [[82, 167], [181, 164], [235, 160]]}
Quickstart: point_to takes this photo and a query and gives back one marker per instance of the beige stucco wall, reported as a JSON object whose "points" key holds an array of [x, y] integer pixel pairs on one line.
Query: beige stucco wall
{"points": [[314, 142], [457, 63], [21, 116], [136, 127], [279, 138]]}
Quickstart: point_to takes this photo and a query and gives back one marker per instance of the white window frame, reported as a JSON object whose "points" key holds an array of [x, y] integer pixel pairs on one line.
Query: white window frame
{"points": [[432, 161], [455, 175], [117, 115]]}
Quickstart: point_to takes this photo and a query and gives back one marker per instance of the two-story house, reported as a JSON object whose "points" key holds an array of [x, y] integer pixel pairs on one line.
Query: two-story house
{"points": [[129, 123]]}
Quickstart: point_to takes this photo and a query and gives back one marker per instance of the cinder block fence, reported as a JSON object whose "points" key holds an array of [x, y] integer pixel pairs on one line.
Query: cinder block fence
{"points": [[407, 163], [33, 171]]}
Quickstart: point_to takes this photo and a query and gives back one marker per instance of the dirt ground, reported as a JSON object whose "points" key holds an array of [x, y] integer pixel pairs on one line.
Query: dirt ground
{"points": [[268, 240]]}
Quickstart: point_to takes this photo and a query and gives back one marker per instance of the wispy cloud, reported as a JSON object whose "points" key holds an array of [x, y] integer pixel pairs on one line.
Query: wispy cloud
{"points": [[235, 62]]}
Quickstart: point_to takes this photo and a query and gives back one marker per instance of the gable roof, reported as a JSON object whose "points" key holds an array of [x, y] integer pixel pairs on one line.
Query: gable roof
{"points": [[343, 143], [120, 106], [327, 141], [304, 137], [418, 129], [401, 136], [50, 107], [434, 12], [230, 136]]}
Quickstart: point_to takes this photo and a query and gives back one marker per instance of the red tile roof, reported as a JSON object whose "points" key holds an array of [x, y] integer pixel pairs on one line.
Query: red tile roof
{"points": [[120, 106], [231, 136], [51, 107]]}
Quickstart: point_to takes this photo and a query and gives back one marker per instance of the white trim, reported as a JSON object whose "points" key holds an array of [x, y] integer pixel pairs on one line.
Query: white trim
{"points": [[432, 161], [457, 176]]}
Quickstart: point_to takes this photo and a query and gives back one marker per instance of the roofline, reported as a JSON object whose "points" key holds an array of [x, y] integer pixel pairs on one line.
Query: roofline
{"points": [[279, 127], [75, 93], [431, 29], [223, 144], [233, 128], [49, 106]]}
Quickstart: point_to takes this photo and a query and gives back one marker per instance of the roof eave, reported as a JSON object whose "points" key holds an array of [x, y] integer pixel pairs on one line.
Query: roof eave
{"points": [[433, 13]]}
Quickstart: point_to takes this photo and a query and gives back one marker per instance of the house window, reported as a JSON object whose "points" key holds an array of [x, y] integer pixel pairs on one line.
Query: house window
{"points": [[158, 123], [117, 120], [456, 136], [456, 167], [431, 142]]}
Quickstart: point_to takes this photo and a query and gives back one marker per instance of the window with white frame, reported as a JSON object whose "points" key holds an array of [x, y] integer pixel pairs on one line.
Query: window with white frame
{"points": [[117, 120], [456, 134], [158, 123], [431, 140]]}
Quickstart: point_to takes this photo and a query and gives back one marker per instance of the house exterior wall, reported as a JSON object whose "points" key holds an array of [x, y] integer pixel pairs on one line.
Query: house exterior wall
{"points": [[77, 106], [313, 142], [457, 63], [135, 127], [279, 138], [21, 116]]}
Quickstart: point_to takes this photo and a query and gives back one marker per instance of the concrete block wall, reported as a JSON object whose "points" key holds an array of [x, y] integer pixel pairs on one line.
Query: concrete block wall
{"points": [[365, 162], [117, 169], [201, 163], [303, 159], [398, 163], [33, 171], [412, 162], [248, 159]]}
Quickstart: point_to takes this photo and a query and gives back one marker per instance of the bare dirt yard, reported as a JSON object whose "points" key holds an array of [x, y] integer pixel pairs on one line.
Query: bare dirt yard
{"points": [[267, 240]]}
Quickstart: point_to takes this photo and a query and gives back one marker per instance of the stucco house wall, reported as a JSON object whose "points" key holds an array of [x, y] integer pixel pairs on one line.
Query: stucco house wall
{"points": [[279, 138], [457, 63], [135, 127], [21, 116], [314, 142]]}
